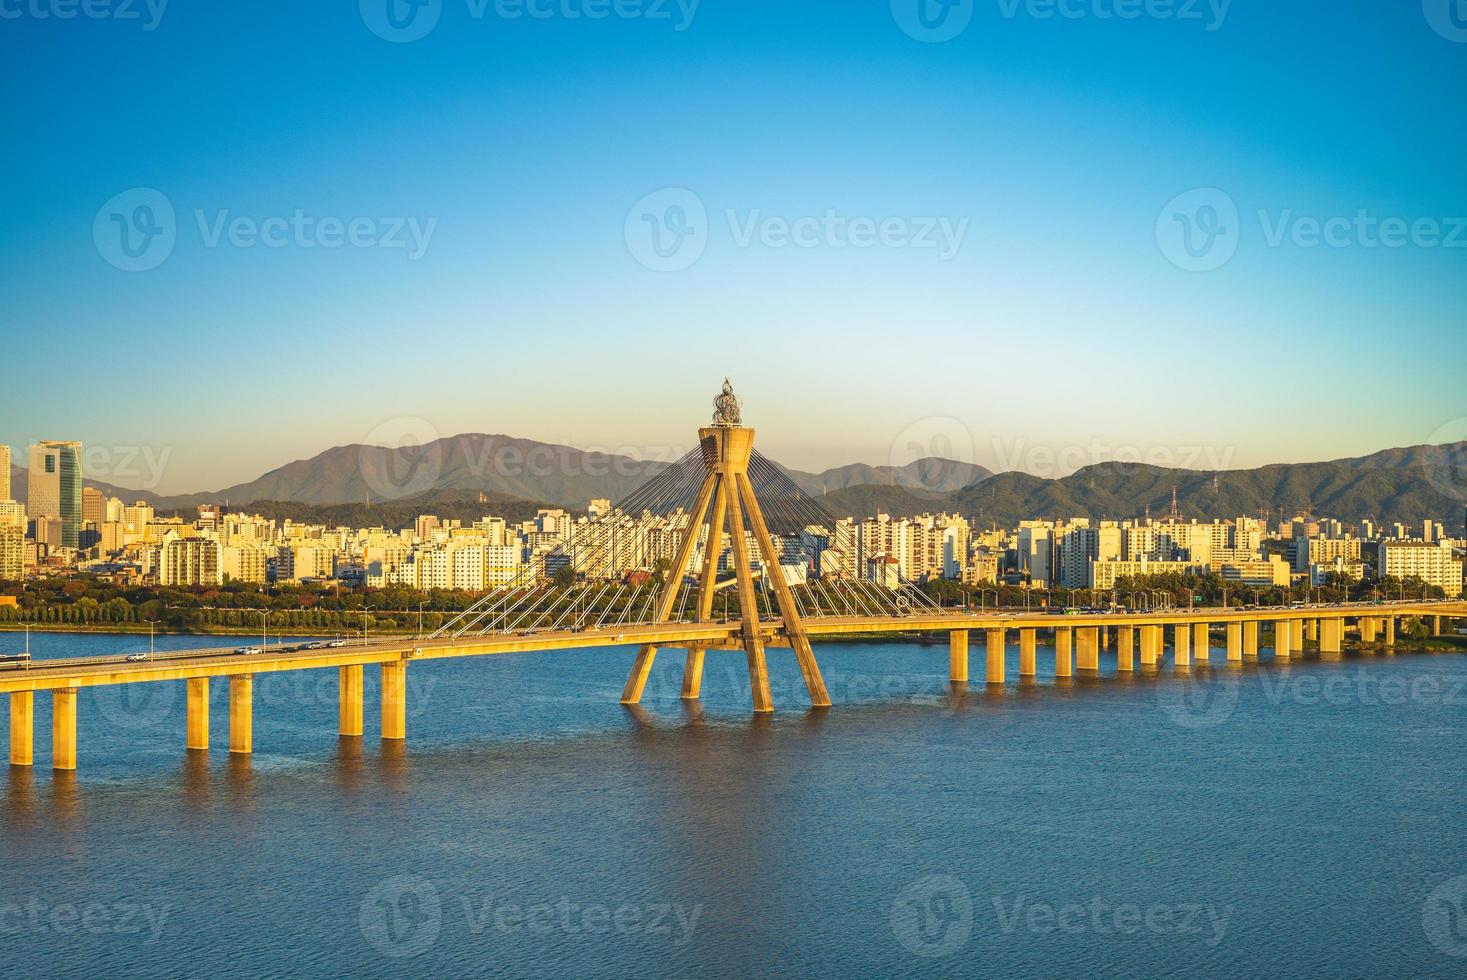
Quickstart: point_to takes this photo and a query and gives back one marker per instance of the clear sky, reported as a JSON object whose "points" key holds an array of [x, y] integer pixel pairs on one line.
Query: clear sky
{"points": [[1058, 270]]}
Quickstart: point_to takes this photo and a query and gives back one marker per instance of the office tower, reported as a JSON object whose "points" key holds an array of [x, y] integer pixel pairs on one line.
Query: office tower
{"points": [[55, 479], [5, 473], [94, 506]]}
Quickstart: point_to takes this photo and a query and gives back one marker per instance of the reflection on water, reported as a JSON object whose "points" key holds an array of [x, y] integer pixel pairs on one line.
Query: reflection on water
{"points": [[532, 826]]}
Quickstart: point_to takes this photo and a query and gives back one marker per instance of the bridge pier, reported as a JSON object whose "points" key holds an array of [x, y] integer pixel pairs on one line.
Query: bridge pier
{"points": [[1064, 650], [1311, 630], [1235, 642], [1331, 636], [637, 679], [1027, 666], [1367, 629], [1088, 648], [1126, 648], [22, 727], [693, 674], [63, 729], [1283, 640], [957, 656], [1250, 639], [1151, 639], [1182, 644], [241, 714], [1296, 635], [1436, 626], [1201, 641], [994, 654], [349, 702], [1390, 631], [196, 714], [394, 700]]}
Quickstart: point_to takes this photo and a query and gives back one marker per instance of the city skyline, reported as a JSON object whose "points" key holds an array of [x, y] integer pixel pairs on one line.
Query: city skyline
{"points": [[525, 171]]}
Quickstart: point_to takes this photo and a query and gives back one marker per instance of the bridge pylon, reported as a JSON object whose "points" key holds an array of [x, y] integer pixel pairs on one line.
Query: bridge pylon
{"points": [[726, 504]]}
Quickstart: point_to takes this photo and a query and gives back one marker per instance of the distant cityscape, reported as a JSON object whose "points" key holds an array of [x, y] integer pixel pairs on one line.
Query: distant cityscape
{"points": [[67, 528]]}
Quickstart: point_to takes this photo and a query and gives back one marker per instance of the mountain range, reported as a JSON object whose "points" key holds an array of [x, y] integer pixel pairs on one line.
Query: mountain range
{"points": [[1407, 485]]}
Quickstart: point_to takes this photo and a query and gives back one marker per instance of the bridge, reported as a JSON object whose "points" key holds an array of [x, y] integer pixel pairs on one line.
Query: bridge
{"points": [[655, 574]]}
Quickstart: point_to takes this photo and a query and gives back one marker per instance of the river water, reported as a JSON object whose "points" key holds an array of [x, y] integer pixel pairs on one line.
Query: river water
{"points": [[1284, 819]]}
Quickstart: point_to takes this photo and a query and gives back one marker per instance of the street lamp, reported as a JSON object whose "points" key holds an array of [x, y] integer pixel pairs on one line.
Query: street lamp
{"points": [[151, 624], [364, 623]]}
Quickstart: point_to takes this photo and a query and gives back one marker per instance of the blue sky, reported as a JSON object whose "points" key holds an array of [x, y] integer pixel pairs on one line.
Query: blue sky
{"points": [[531, 152]]}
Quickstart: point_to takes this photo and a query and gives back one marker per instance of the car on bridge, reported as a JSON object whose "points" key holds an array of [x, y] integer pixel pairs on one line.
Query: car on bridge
{"points": [[336, 644], [133, 658], [247, 651]]}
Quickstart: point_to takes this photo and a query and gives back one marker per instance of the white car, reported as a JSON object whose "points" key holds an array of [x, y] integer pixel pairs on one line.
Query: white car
{"points": [[336, 644], [247, 651]]}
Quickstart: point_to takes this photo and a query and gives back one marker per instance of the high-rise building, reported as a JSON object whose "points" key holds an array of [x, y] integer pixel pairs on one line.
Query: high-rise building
{"points": [[55, 482], [12, 552], [5, 473], [94, 506]]}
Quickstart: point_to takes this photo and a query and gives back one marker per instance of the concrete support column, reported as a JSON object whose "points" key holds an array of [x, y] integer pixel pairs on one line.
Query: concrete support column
{"points": [[63, 729], [1064, 649], [1296, 635], [1235, 643], [957, 656], [1390, 631], [1126, 648], [1200, 642], [242, 714], [1331, 635], [1367, 629], [693, 674], [394, 699], [1087, 643], [22, 727], [196, 714], [995, 652], [1436, 626], [1283, 640], [349, 710], [1311, 630], [1250, 639], [1182, 644], [1027, 667], [637, 679], [1150, 645], [1105, 638]]}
